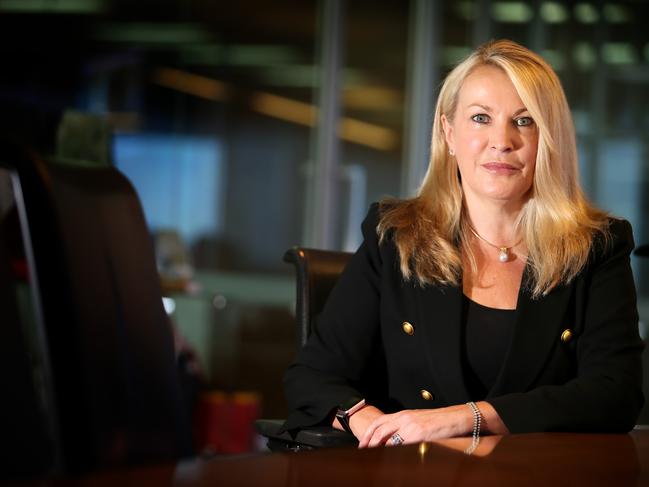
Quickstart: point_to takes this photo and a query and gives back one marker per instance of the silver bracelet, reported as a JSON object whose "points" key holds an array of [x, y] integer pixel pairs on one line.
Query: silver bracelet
{"points": [[477, 423]]}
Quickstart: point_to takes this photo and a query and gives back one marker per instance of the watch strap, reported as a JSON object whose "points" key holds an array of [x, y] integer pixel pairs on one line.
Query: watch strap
{"points": [[346, 410]]}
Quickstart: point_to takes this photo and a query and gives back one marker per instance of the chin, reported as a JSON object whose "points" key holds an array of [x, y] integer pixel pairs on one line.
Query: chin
{"points": [[506, 192], [507, 196]]}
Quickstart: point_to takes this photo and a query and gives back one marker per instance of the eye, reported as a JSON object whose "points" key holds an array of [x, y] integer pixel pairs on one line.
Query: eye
{"points": [[524, 121], [480, 118]]}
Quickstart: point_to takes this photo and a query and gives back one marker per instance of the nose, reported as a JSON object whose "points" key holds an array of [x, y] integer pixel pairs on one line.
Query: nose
{"points": [[503, 136]]}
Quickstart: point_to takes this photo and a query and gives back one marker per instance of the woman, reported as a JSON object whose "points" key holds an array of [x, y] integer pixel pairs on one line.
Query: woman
{"points": [[498, 300]]}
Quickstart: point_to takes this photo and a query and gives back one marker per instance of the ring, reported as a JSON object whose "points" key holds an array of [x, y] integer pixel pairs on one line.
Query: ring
{"points": [[396, 439]]}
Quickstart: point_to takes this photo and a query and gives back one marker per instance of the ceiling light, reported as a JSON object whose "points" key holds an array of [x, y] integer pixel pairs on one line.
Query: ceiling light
{"points": [[193, 84], [511, 12], [586, 13], [619, 53], [280, 107], [284, 108], [372, 98], [152, 33], [247, 55], [349, 129], [584, 55], [553, 12], [56, 7]]}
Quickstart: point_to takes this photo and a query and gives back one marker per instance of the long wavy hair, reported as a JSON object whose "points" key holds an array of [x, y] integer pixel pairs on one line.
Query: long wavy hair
{"points": [[557, 222]]}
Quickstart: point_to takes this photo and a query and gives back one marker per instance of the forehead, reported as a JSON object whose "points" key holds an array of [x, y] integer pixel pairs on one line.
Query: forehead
{"points": [[489, 86]]}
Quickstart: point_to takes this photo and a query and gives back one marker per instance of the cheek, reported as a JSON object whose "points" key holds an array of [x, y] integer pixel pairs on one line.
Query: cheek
{"points": [[475, 144], [471, 143], [530, 175], [530, 170], [532, 150]]}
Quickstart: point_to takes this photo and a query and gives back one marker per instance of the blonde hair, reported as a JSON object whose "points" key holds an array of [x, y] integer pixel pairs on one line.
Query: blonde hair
{"points": [[557, 223]]}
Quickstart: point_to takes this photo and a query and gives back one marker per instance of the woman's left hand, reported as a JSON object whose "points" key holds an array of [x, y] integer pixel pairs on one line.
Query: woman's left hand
{"points": [[417, 425]]}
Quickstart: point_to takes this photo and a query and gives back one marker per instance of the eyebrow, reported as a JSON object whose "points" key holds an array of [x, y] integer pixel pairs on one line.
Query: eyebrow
{"points": [[488, 108]]}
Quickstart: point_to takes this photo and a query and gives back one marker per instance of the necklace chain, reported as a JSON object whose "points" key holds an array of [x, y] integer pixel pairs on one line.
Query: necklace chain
{"points": [[503, 256]]}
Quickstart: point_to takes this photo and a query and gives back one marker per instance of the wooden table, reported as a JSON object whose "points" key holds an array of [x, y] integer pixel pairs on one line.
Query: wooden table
{"points": [[543, 459]]}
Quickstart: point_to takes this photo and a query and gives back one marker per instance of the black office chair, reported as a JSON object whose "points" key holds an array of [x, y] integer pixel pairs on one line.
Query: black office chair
{"points": [[643, 420], [114, 395], [316, 273], [27, 449]]}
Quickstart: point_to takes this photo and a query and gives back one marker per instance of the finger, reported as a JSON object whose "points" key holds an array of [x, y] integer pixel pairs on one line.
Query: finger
{"points": [[369, 432], [381, 435], [365, 440], [399, 439], [362, 442]]}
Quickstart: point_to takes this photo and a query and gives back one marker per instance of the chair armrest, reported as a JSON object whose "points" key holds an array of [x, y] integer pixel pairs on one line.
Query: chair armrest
{"points": [[305, 439]]}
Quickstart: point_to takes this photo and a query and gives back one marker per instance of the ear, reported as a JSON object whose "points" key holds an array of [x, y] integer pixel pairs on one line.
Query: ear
{"points": [[447, 126]]}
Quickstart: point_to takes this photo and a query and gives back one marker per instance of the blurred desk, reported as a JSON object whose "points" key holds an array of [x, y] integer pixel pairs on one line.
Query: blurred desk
{"points": [[554, 459]]}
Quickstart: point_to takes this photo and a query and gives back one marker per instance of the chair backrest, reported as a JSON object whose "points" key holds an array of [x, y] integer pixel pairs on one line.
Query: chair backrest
{"points": [[115, 392], [316, 273]]}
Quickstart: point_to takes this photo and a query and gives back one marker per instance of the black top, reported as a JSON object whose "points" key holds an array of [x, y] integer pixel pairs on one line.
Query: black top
{"points": [[486, 335]]}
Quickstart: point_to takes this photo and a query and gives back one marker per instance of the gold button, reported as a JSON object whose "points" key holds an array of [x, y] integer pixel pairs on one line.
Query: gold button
{"points": [[566, 336], [426, 395], [407, 328]]}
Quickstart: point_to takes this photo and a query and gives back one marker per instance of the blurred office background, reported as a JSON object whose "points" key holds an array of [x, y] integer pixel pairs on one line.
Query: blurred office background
{"points": [[248, 127]]}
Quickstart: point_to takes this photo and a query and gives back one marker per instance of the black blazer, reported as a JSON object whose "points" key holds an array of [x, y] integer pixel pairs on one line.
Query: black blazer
{"points": [[591, 380]]}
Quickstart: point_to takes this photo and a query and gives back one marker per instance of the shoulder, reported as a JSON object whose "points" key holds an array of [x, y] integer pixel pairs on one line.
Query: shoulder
{"points": [[621, 230], [378, 239], [373, 217], [614, 243], [392, 216], [402, 216], [616, 237], [377, 217]]}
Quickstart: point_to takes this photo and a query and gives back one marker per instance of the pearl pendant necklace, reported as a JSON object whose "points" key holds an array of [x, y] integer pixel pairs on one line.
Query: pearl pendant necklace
{"points": [[503, 255]]}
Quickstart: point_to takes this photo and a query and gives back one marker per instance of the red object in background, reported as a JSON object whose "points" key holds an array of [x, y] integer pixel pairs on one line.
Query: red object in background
{"points": [[224, 423]]}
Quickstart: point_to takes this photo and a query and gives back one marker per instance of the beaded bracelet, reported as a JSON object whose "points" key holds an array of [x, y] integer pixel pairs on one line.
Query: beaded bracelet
{"points": [[477, 422]]}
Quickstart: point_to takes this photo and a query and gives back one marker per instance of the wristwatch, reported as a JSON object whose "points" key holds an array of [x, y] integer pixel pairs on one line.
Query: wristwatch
{"points": [[346, 409]]}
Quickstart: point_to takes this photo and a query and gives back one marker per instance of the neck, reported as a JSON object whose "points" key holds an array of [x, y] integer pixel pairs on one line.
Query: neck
{"points": [[494, 222]]}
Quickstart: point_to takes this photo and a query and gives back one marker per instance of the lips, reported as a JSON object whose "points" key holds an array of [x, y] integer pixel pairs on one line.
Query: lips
{"points": [[500, 167]]}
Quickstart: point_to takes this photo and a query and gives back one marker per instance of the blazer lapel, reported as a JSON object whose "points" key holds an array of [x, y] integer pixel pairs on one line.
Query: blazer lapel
{"points": [[538, 328], [440, 314]]}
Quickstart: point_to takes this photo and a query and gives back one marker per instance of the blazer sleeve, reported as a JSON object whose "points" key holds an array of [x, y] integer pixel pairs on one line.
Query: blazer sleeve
{"points": [[606, 393], [330, 368]]}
